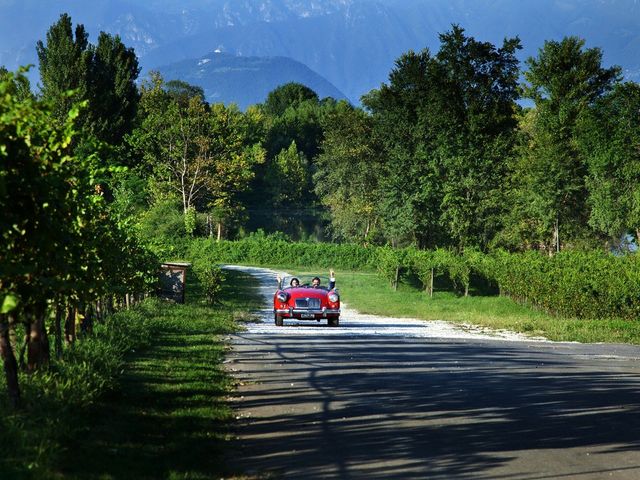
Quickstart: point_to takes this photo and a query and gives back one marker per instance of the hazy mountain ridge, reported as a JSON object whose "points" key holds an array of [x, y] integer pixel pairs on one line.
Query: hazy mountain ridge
{"points": [[245, 80], [352, 43]]}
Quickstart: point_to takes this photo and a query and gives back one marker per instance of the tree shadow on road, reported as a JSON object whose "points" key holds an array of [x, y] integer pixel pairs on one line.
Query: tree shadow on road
{"points": [[415, 409]]}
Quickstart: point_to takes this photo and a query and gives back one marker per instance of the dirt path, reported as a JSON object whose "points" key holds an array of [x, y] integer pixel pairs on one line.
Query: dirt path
{"points": [[401, 399]]}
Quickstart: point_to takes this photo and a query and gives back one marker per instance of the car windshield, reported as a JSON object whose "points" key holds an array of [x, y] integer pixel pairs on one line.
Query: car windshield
{"points": [[305, 281]]}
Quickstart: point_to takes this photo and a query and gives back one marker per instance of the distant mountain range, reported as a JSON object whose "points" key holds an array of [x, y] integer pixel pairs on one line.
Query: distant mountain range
{"points": [[351, 43], [245, 80]]}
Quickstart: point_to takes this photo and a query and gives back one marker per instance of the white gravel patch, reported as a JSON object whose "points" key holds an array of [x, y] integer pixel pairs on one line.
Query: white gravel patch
{"points": [[354, 323]]}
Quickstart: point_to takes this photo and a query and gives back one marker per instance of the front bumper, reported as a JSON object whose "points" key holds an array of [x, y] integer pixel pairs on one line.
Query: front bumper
{"points": [[306, 313]]}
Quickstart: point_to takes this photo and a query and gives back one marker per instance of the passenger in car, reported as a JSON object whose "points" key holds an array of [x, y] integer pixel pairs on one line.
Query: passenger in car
{"points": [[294, 282]]}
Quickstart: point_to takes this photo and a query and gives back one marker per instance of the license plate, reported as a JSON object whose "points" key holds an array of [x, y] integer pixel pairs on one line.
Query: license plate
{"points": [[307, 315]]}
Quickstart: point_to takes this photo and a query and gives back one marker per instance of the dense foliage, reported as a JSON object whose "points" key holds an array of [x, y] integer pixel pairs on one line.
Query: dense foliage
{"points": [[61, 248]]}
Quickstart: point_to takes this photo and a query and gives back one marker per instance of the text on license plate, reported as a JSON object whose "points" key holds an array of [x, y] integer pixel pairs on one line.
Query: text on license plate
{"points": [[307, 315]]}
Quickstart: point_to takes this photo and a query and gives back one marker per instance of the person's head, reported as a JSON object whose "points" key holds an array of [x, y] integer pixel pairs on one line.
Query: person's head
{"points": [[315, 282], [294, 282]]}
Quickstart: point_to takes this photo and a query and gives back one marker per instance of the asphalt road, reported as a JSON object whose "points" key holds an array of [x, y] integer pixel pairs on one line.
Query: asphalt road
{"points": [[358, 405]]}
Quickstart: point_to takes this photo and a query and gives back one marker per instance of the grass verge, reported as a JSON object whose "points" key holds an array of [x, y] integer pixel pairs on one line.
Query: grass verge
{"points": [[368, 293], [162, 414], [168, 419]]}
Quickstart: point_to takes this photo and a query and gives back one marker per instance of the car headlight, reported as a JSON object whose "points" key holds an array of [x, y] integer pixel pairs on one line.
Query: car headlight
{"points": [[334, 297], [282, 296]]}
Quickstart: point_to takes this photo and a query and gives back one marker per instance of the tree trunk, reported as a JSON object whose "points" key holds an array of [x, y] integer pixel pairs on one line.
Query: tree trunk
{"points": [[86, 326], [70, 326], [209, 225], [38, 345], [466, 290], [431, 284], [10, 364], [219, 231], [395, 282], [556, 235], [110, 306], [57, 330], [23, 348]]}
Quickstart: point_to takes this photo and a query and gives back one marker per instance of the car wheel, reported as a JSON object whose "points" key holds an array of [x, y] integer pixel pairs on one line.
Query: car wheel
{"points": [[279, 321], [334, 322]]}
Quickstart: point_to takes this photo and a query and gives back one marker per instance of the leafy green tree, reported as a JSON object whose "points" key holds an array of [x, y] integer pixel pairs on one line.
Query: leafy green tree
{"points": [[288, 178], [19, 85], [300, 123], [292, 113], [476, 132], [289, 95], [609, 140], [104, 75], [410, 187], [235, 160], [447, 123], [564, 81], [201, 153], [65, 65], [183, 91], [114, 96], [59, 246], [348, 174], [174, 138]]}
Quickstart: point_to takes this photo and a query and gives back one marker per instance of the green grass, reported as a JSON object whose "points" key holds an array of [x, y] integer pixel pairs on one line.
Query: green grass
{"points": [[368, 293], [168, 418]]}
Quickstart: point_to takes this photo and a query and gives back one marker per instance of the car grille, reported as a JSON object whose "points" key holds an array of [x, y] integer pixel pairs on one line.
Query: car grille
{"points": [[307, 303]]}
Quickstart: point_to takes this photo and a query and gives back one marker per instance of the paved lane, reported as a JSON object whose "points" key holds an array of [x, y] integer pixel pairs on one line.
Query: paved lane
{"points": [[345, 405]]}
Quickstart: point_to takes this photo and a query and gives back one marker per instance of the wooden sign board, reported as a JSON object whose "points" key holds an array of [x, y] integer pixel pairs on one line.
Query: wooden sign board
{"points": [[173, 280]]}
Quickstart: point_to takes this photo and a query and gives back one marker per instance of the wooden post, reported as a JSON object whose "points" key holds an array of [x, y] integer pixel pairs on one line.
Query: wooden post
{"points": [[395, 283]]}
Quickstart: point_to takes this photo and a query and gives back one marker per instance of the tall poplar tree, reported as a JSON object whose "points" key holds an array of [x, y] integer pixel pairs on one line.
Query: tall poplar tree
{"points": [[65, 64], [564, 81], [114, 94], [103, 75], [477, 128]]}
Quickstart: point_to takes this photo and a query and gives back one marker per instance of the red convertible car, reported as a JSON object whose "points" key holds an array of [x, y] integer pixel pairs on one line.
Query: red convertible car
{"points": [[306, 299]]}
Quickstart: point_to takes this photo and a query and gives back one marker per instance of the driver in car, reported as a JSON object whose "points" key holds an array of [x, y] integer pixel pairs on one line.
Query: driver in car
{"points": [[315, 283]]}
